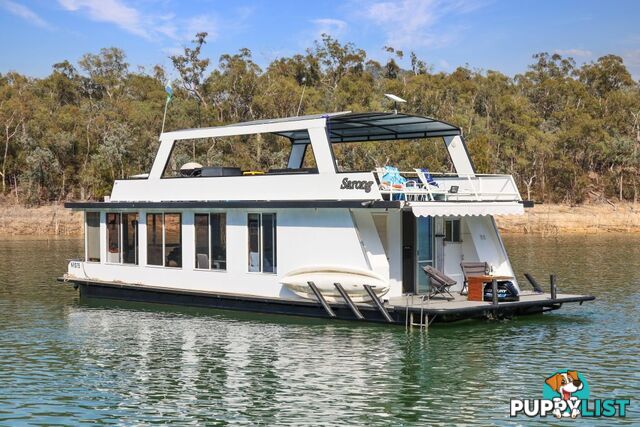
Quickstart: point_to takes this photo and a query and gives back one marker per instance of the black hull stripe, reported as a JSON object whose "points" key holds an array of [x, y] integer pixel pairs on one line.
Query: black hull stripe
{"points": [[94, 289]]}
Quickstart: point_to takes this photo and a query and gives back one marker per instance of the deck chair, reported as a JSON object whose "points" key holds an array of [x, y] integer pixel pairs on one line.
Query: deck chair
{"points": [[429, 184], [440, 283], [399, 186], [472, 268]]}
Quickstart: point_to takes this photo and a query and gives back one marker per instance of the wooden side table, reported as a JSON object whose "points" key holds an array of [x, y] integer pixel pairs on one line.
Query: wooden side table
{"points": [[475, 286]]}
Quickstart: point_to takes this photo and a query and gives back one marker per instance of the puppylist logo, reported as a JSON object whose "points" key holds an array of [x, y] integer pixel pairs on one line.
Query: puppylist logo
{"points": [[566, 394]]}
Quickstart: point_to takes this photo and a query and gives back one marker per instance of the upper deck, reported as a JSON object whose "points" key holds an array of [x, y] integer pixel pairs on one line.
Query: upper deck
{"points": [[324, 182]]}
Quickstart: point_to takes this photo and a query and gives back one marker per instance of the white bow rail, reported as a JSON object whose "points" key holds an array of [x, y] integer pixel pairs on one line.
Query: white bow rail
{"points": [[452, 187]]}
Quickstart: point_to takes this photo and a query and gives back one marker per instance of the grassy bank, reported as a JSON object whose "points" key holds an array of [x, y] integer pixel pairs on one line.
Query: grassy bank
{"points": [[54, 220]]}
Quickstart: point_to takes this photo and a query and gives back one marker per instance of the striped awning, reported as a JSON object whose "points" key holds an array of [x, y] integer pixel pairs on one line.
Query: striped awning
{"points": [[466, 208]]}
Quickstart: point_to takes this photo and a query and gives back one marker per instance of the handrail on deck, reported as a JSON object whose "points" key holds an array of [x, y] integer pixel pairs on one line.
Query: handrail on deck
{"points": [[453, 187]]}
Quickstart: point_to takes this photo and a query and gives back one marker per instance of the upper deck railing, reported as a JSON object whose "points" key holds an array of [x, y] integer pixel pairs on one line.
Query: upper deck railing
{"points": [[450, 187]]}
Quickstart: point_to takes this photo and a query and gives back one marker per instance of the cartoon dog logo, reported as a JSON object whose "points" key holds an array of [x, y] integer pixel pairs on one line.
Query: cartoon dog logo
{"points": [[565, 384]]}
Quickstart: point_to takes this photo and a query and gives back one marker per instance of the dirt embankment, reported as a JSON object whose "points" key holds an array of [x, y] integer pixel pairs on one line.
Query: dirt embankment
{"points": [[51, 220], [588, 219], [55, 220]]}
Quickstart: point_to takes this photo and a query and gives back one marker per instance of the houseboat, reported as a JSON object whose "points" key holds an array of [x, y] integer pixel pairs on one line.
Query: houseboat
{"points": [[311, 237]]}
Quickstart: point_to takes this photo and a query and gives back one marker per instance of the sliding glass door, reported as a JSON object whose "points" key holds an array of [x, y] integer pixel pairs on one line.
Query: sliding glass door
{"points": [[424, 251]]}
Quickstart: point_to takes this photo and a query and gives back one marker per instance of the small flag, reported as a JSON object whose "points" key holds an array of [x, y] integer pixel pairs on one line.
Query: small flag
{"points": [[169, 91]]}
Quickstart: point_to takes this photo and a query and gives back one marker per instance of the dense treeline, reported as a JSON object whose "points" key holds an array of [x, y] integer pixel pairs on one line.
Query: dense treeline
{"points": [[566, 133]]}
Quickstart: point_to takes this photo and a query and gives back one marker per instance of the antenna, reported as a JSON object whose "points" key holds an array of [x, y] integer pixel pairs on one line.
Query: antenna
{"points": [[304, 86], [396, 100]]}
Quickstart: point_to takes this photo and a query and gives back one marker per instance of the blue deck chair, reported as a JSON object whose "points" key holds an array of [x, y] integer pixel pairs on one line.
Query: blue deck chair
{"points": [[428, 178], [392, 177]]}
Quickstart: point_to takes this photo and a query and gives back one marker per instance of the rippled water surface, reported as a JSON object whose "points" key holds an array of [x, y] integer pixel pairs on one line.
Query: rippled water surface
{"points": [[66, 361]]}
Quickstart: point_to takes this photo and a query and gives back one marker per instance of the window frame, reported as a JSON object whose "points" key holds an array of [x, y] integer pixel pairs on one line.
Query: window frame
{"points": [[261, 244], [450, 223], [147, 263], [175, 142], [137, 238], [164, 240], [209, 245], [118, 224], [86, 238], [121, 225]]}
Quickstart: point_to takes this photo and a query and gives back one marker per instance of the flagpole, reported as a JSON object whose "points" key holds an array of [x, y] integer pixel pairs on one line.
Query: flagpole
{"points": [[164, 116], [169, 91]]}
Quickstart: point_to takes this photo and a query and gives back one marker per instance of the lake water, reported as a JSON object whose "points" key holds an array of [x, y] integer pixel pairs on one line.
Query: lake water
{"points": [[66, 361]]}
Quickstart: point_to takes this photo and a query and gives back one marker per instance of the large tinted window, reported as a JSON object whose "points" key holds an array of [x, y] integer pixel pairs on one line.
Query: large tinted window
{"points": [[154, 239], [211, 241], [403, 154], [202, 241], [254, 242], [173, 239], [164, 239], [218, 241], [130, 238], [238, 155], [92, 220], [269, 243], [113, 237], [262, 242]]}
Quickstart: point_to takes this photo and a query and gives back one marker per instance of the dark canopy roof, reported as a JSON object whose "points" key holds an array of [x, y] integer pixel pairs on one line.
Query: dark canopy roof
{"points": [[356, 127]]}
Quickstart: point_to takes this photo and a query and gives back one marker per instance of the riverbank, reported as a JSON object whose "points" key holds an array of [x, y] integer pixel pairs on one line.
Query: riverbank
{"points": [[546, 219], [552, 219], [43, 221]]}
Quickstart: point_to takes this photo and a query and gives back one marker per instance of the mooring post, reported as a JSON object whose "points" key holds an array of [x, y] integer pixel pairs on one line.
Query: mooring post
{"points": [[494, 291], [554, 287]]}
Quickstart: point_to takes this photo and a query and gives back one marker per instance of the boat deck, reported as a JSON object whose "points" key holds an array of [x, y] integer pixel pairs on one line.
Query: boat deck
{"points": [[459, 308]]}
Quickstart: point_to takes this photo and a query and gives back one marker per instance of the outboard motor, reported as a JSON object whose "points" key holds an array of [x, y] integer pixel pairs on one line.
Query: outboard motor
{"points": [[507, 291]]}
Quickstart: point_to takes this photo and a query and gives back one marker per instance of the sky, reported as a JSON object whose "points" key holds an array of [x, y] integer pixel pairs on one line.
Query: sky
{"points": [[497, 35]]}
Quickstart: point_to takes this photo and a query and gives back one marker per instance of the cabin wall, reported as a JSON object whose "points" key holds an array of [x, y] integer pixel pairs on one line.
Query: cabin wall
{"points": [[489, 246], [305, 237], [469, 252], [258, 187], [394, 237]]}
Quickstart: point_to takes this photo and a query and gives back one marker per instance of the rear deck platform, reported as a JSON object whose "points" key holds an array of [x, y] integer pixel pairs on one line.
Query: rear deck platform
{"points": [[442, 310], [405, 310]]}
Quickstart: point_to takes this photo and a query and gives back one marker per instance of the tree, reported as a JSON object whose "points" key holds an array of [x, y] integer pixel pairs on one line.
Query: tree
{"points": [[192, 68], [108, 69], [14, 110], [566, 132]]}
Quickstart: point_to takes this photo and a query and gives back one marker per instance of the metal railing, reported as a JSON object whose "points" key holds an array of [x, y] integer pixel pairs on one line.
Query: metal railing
{"points": [[451, 187]]}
